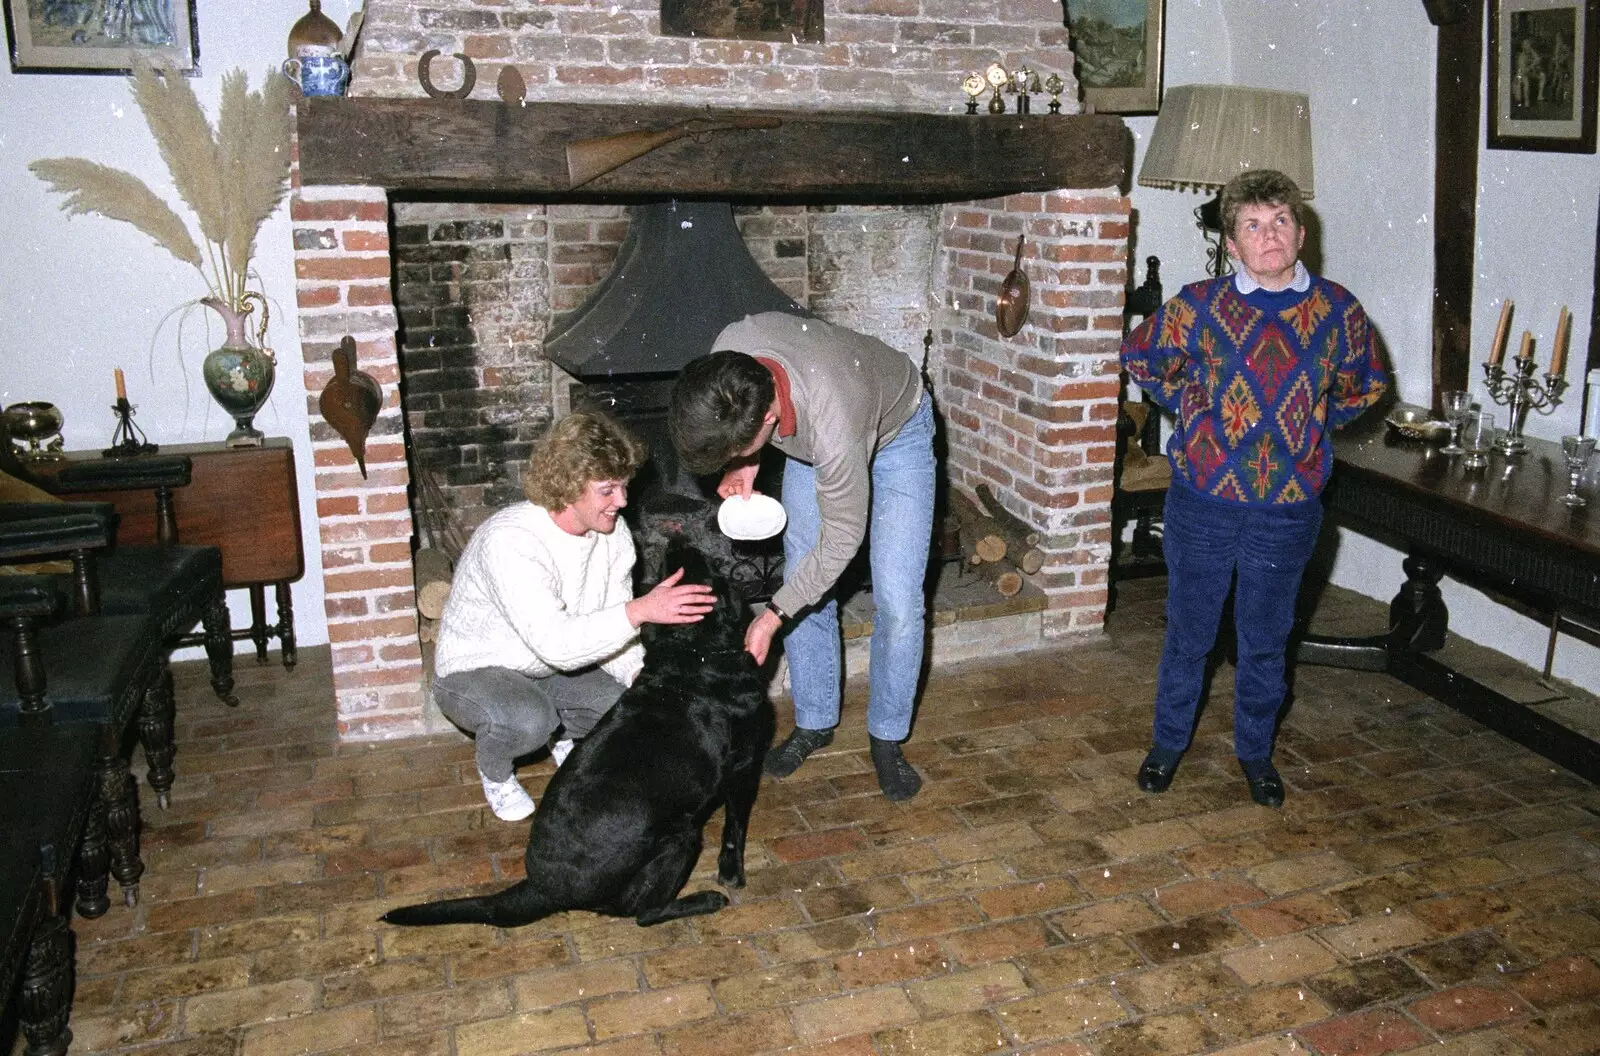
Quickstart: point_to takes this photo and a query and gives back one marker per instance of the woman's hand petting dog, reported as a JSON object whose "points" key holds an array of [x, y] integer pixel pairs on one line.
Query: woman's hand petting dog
{"points": [[671, 602]]}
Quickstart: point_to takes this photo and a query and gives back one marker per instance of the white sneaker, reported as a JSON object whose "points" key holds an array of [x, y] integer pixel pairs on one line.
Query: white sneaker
{"points": [[509, 800], [560, 750]]}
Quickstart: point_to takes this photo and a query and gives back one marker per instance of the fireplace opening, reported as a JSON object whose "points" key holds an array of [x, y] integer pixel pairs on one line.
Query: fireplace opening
{"points": [[683, 273]]}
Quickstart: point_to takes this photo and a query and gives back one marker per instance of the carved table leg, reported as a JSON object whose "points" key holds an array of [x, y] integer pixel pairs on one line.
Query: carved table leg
{"points": [[120, 793], [45, 1000], [285, 623], [219, 648], [1418, 617], [258, 620], [94, 861], [156, 714]]}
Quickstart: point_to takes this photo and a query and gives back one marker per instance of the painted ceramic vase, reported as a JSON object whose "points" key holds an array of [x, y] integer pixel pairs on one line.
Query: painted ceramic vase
{"points": [[238, 375]]}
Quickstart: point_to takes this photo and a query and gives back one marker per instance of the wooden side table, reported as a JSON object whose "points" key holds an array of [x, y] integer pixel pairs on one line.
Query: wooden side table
{"points": [[243, 500]]}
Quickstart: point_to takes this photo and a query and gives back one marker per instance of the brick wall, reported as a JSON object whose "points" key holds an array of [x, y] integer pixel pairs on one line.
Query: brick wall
{"points": [[1034, 415], [879, 54], [342, 271], [477, 286]]}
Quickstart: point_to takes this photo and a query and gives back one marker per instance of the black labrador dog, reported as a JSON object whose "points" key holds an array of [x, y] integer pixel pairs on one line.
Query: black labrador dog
{"points": [[618, 829]]}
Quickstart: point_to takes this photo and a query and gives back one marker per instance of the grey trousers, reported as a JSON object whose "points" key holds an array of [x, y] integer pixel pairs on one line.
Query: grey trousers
{"points": [[512, 714]]}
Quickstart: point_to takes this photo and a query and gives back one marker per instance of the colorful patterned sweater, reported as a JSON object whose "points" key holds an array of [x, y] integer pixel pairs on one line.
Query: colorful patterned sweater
{"points": [[1258, 382]]}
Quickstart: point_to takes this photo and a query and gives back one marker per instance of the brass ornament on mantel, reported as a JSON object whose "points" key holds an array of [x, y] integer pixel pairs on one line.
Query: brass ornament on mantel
{"points": [[350, 401]]}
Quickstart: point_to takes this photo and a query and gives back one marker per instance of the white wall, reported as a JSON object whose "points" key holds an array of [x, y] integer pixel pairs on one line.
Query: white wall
{"points": [[83, 295], [1368, 68]]}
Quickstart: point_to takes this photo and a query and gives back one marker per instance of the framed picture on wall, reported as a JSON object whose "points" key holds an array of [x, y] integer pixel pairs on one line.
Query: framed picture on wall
{"points": [[1118, 46], [783, 20], [1542, 66], [100, 36]]}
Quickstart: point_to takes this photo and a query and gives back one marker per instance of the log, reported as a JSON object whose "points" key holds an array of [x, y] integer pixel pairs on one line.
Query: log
{"points": [[979, 538], [1022, 541], [491, 147], [432, 573], [1006, 579]]}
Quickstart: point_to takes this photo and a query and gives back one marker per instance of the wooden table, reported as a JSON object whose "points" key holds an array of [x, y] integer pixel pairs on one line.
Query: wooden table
{"points": [[244, 500], [1503, 527]]}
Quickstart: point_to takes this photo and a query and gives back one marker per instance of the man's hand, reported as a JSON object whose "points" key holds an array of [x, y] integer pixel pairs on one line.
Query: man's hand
{"points": [[758, 636], [671, 602], [740, 480]]}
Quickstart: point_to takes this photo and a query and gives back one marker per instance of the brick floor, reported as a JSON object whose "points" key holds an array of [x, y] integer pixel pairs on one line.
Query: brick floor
{"points": [[1428, 887]]}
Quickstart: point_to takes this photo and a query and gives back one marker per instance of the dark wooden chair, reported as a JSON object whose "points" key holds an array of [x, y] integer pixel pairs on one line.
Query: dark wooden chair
{"points": [[181, 586], [104, 672], [49, 804], [1141, 472]]}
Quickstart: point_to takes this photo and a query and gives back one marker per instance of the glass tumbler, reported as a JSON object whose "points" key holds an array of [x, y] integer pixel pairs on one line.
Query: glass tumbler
{"points": [[1477, 438]]}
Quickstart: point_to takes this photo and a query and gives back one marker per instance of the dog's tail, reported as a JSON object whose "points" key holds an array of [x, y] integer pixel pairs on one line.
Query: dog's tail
{"points": [[517, 905]]}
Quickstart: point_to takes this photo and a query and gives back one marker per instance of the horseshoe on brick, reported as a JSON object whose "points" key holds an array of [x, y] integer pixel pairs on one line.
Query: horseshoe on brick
{"points": [[469, 76]]}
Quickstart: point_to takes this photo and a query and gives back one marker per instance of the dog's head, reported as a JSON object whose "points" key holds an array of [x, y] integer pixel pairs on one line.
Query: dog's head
{"points": [[723, 627]]}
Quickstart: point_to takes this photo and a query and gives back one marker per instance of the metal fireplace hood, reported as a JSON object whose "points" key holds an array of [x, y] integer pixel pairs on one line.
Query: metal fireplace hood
{"points": [[682, 274]]}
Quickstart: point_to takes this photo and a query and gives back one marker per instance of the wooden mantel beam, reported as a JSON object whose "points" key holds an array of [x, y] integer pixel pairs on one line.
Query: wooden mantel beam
{"points": [[481, 147]]}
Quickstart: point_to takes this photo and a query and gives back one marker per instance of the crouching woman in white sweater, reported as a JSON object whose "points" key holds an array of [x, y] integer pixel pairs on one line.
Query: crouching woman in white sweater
{"points": [[542, 628]]}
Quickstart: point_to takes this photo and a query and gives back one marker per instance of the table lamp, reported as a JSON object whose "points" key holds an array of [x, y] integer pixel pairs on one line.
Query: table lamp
{"points": [[1206, 134]]}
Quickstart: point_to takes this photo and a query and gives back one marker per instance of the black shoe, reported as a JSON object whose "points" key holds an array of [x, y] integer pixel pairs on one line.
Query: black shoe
{"points": [[1266, 787], [898, 778], [787, 757], [1155, 773]]}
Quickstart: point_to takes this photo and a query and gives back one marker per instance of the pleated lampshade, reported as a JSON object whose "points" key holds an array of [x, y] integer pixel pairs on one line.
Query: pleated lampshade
{"points": [[1206, 134]]}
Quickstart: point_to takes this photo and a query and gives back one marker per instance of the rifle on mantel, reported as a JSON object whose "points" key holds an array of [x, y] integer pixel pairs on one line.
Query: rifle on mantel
{"points": [[588, 159]]}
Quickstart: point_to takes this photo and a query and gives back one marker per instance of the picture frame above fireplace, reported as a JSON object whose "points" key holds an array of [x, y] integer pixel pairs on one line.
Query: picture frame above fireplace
{"points": [[1118, 47], [1543, 59], [100, 36], [780, 20]]}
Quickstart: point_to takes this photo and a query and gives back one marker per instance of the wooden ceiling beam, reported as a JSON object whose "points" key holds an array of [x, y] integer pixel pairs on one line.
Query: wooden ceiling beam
{"points": [[480, 147]]}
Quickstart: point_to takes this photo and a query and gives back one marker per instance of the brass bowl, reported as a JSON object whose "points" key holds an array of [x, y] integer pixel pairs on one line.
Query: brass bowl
{"points": [[34, 421], [1415, 424]]}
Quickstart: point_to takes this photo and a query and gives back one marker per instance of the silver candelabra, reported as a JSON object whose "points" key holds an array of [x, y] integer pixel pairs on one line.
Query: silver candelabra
{"points": [[1520, 390]]}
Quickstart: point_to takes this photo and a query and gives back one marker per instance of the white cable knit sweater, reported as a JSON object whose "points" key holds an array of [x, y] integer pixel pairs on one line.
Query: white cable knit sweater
{"points": [[533, 598]]}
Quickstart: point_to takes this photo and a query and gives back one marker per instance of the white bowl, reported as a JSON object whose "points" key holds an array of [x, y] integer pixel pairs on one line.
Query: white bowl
{"points": [[758, 517]]}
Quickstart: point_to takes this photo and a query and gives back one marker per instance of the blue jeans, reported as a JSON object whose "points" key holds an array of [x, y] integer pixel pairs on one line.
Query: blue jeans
{"points": [[1206, 543], [901, 532]]}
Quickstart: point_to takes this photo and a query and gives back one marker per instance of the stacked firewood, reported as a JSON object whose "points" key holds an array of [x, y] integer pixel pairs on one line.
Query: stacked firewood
{"points": [[995, 543], [432, 570], [443, 539]]}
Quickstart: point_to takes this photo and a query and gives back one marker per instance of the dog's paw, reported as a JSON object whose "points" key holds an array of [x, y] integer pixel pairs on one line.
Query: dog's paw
{"points": [[730, 877]]}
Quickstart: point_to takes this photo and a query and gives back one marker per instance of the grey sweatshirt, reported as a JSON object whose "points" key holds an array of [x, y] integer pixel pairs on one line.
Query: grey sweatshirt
{"points": [[851, 394]]}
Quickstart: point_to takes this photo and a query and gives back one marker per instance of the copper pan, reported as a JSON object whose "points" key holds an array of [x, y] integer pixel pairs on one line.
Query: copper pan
{"points": [[1011, 307]]}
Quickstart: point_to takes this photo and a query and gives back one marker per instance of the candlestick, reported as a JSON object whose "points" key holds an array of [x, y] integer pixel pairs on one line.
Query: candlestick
{"points": [[122, 388], [1521, 389], [1497, 351], [1558, 358]]}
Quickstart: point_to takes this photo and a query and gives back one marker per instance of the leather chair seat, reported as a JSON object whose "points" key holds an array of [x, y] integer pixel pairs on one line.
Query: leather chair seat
{"points": [[159, 580], [94, 668]]}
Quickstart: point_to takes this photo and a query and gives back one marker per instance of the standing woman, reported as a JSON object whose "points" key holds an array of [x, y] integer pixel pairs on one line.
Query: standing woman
{"points": [[1260, 367]]}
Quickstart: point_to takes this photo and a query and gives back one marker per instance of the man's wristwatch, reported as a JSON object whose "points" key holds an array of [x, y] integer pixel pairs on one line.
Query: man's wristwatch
{"points": [[772, 607]]}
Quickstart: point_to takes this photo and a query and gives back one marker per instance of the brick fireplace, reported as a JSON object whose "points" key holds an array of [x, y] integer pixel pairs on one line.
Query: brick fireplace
{"points": [[473, 281]]}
